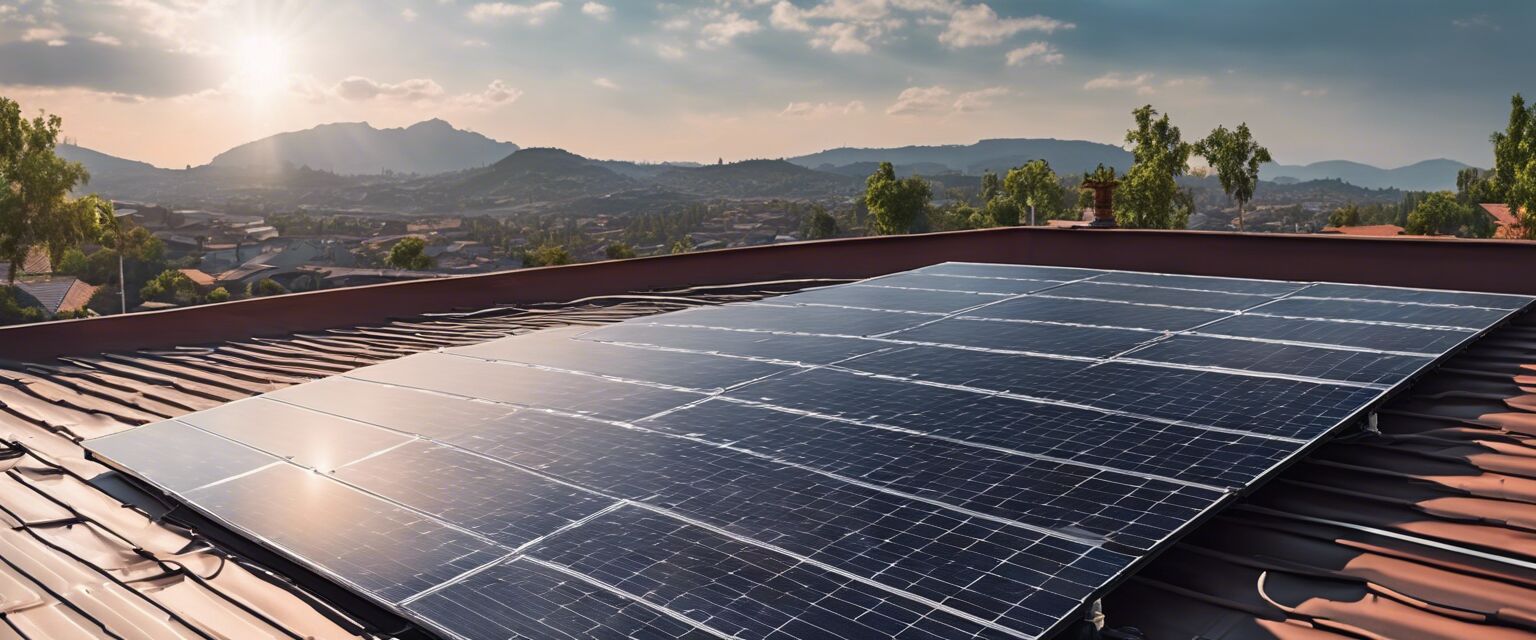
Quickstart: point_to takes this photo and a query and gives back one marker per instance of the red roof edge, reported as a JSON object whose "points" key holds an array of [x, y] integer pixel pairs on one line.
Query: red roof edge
{"points": [[1482, 265]]}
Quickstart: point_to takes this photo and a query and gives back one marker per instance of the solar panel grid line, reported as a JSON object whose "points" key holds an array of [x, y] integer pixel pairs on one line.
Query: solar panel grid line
{"points": [[1311, 345], [1197, 327], [1074, 405], [1384, 323], [1138, 304], [839, 571], [968, 443], [624, 594], [1173, 288], [1052, 323], [843, 306], [989, 303], [1402, 302], [458, 578], [238, 476], [866, 284], [647, 383]]}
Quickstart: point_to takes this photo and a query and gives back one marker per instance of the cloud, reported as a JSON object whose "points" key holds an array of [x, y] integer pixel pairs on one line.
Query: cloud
{"points": [[358, 88], [474, 43], [979, 100], [854, 23], [725, 30], [606, 84], [106, 40], [496, 94], [841, 37], [978, 25], [921, 101], [52, 35], [408, 14], [85, 64], [1114, 81], [670, 52], [1479, 21], [1041, 52], [1314, 92], [821, 109], [597, 10], [529, 14]]}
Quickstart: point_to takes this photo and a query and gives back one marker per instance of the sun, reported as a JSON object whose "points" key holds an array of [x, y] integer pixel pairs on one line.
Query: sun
{"points": [[261, 64]]}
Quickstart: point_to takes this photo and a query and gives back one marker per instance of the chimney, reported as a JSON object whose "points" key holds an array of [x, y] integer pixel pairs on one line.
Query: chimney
{"points": [[1103, 202]]}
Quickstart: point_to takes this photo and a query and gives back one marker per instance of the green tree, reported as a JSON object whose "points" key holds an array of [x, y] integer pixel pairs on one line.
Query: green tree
{"points": [[819, 225], [683, 245], [409, 253], [1442, 214], [73, 263], [1149, 197], [35, 185], [1236, 158], [1345, 216], [547, 255], [1036, 187], [18, 308], [991, 186], [170, 286], [1513, 148], [1002, 211], [618, 251], [265, 287], [219, 294], [895, 204]]}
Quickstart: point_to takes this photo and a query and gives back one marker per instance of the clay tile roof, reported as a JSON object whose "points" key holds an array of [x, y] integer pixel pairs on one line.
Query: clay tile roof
{"points": [[1380, 230], [78, 296], [197, 277], [1501, 214]]}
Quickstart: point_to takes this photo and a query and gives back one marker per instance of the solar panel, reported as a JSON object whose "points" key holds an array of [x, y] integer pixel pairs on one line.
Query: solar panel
{"points": [[961, 451]]}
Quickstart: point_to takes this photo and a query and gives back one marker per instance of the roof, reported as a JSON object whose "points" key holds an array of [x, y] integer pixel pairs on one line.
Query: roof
{"points": [[52, 292], [1501, 214], [243, 272], [198, 277], [1382, 230], [79, 295], [37, 262], [48, 407]]}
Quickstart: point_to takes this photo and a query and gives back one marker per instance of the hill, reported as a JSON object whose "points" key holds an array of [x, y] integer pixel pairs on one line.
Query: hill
{"points": [[357, 148], [1066, 156], [536, 175], [757, 179], [1429, 175]]}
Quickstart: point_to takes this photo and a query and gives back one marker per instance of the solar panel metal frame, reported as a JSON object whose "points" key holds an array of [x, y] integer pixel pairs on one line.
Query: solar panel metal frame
{"points": [[969, 270]]}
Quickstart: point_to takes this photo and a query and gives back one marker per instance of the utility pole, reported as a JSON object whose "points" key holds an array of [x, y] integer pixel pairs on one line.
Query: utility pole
{"points": [[122, 284]]}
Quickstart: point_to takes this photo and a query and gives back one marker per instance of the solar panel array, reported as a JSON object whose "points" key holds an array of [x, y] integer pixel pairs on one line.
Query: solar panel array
{"points": [[964, 450]]}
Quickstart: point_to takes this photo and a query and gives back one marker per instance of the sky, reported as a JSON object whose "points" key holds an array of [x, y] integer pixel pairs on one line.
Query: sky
{"points": [[174, 82]]}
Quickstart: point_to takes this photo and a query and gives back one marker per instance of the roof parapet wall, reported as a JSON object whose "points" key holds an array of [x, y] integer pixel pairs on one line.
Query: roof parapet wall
{"points": [[1433, 263]]}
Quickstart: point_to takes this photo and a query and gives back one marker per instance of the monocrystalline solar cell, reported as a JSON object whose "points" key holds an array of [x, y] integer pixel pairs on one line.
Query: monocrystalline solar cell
{"points": [[1368, 367], [1421, 340], [879, 298], [961, 451], [1098, 313], [1390, 312]]}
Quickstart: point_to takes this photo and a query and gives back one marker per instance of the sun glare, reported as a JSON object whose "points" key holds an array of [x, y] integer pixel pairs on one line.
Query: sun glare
{"points": [[261, 64]]}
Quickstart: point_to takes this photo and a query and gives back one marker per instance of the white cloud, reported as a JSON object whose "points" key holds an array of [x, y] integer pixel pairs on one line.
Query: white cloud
{"points": [[104, 39], [853, 25], [921, 101], [1479, 21], [840, 37], [1315, 93], [978, 25], [408, 14], [785, 15], [496, 94], [979, 100], [1115, 80], [821, 109], [725, 30], [358, 88], [530, 14], [1041, 52], [606, 84], [670, 52], [597, 10], [474, 43], [53, 35]]}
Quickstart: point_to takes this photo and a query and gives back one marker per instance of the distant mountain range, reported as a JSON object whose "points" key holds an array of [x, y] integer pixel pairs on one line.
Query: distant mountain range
{"points": [[1429, 175], [1000, 155], [356, 148], [435, 165]]}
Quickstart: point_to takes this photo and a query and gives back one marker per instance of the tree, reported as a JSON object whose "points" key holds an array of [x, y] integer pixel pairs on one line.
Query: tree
{"points": [[219, 294], [170, 286], [1002, 211], [1442, 214], [547, 255], [1236, 158], [35, 183], [1513, 148], [819, 225], [1036, 187], [265, 287], [73, 263], [895, 204], [409, 253], [1345, 216], [683, 245], [618, 251], [991, 186], [1148, 197]]}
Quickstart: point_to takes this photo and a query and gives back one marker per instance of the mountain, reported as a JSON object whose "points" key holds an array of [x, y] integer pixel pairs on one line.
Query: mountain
{"points": [[356, 148], [757, 179], [1429, 175], [537, 175], [1065, 156]]}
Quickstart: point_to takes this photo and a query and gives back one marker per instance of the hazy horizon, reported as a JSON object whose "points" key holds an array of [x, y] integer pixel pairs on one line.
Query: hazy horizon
{"points": [[175, 82]]}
